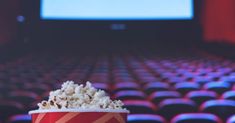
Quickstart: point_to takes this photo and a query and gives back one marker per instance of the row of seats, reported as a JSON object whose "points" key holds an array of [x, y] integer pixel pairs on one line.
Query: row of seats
{"points": [[169, 108], [155, 92], [150, 118], [155, 82], [183, 87], [219, 88], [27, 98]]}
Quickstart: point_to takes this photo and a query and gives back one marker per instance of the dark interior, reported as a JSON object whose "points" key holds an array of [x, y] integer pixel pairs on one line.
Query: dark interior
{"points": [[165, 71]]}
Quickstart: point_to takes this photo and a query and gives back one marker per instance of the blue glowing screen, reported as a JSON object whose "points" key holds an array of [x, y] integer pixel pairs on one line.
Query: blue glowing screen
{"points": [[116, 9]]}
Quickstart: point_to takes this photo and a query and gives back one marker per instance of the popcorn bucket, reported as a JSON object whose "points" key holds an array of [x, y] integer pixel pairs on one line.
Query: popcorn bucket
{"points": [[79, 116]]}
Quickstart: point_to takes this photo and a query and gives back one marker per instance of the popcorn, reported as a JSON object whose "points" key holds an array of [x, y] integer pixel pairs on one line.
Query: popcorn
{"points": [[74, 96]]}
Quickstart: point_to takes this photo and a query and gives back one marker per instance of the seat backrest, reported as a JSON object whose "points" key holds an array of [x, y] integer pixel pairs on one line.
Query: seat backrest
{"points": [[185, 87], [218, 87], [171, 107], [231, 119], [159, 96], [230, 95], [23, 97], [129, 94], [126, 86], [222, 108], [10, 108], [140, 106], [196, 118], [156, 86], [103, 86], [200, 97], [21, 118], [38, 89], [27, 94], [145, 118]]}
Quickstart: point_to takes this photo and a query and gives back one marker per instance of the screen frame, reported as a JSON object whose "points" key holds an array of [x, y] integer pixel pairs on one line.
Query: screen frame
{"points": [[116, 19], [33, 13], [93, 31]]}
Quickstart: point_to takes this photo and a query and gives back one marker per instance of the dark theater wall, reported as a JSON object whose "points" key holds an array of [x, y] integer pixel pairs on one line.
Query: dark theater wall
{"points": [[8, 25], [219, 20]]}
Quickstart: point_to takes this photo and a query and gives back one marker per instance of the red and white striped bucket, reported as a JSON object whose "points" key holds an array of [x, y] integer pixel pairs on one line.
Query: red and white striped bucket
{"points": [[79, 116]]}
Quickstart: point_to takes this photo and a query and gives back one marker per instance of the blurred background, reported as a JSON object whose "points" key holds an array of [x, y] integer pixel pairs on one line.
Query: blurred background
{"points": [[169, 61]]}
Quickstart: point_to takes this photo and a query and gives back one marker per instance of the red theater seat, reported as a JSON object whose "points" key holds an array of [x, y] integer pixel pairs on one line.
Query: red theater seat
{"points": [[10, 108], [196, 118], [231, 119], [24, 97], [145, 118], [156, 86], [131, 94], [159, 96], [38, 88], [140, 107], [202, 79], [126, 86], [200, 97], [102, 86], [185, 87], [229, 95], [171, 107], [222, 108], [20, 118], [218, 87]]}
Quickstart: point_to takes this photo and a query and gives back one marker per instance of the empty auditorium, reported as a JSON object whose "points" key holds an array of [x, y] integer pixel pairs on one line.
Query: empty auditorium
{"points": [[117, 61]]}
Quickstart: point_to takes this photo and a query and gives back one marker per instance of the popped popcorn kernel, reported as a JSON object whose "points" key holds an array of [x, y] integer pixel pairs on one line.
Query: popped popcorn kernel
{"points": [[74, 96]]}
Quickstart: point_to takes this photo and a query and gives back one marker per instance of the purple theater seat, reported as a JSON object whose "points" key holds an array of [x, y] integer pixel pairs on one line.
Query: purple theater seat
{"points": [[156, 86], [185, 87], [229, 95], [121, 74], [145, 79], [171, 107], [218, 87], [174, 80], [38, 89], [129, 94], [231, 119], [159, 96], [139, 106], [44, 96], [126, 86], [196, 118], [20, 118], [202, 80], [229, 79], [102, 86], [33, 106], [200, 97], [222, 108], [10, 108], [24, 97], [145, 118], [119, 78]]}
